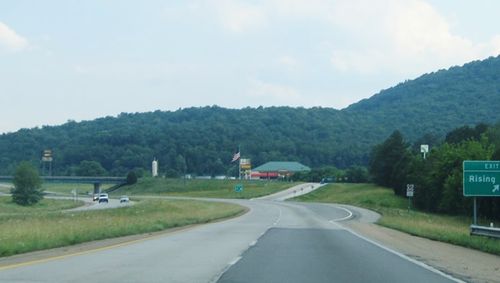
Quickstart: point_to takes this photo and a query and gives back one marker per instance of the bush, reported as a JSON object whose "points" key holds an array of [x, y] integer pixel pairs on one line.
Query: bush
{"points": [[131, 178], [27, 185]]}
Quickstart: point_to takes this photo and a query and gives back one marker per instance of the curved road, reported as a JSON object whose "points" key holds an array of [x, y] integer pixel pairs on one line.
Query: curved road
{"points": [[274, 242]]}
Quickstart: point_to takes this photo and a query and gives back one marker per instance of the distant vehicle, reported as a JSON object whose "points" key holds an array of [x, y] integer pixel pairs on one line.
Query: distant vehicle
{"points": [[124, 199], [103, 198], [328, 180], [96, 197]]}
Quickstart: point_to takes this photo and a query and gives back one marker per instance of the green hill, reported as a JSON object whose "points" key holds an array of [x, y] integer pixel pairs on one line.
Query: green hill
{"points": [[204, 139], [437, 102]]}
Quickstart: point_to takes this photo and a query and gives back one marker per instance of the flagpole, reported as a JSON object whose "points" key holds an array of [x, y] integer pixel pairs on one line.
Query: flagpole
{"points": [[239, 161]]}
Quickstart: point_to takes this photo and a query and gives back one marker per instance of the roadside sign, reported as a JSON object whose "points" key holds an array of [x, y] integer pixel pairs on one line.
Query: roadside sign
{"points": [[238, 188], [481, 178], [424, 148], [410, 188]]}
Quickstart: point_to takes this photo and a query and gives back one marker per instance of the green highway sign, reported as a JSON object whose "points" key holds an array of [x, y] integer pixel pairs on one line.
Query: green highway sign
{"points": [[238, 188], [481, 178]]}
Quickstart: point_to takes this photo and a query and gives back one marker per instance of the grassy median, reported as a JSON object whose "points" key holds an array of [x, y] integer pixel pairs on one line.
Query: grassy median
{"points": [[204, 188], [80, 189], [8, 207], [395, 215], [43, 228]]}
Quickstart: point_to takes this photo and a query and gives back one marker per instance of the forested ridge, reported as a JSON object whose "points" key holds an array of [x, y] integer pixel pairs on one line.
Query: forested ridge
{"points": [[203, 140], [438, 178]]}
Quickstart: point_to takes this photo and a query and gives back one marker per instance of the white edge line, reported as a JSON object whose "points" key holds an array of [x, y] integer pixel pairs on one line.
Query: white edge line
{"points": [[228, 266], [349, 215], [234, 261], [419, 263]]}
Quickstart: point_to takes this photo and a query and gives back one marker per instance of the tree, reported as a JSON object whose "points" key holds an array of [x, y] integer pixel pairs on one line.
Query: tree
{"points": [[90, 168], [27, 185], [390, 161], [180, 164], [131, 178], [357, 174], [466, 133]]}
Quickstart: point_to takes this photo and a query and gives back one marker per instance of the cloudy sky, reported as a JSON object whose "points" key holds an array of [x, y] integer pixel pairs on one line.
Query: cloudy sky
{"points": [[79, 60]]}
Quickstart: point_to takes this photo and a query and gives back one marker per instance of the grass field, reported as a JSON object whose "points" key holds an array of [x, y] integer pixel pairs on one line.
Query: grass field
{"points": [[5, 187], [42, 228], [81, 189], [203, 188], [7, 207], [395, 215]]}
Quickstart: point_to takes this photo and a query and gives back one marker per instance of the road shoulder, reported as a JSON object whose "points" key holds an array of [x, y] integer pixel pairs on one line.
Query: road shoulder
{"points": [[466, 264]]}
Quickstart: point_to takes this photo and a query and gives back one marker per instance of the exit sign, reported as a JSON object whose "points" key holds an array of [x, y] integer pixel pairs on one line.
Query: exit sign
{"points": [[481, 178]]}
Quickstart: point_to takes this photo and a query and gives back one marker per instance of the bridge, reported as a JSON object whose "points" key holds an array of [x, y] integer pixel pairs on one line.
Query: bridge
{"points": [[97, 181]]}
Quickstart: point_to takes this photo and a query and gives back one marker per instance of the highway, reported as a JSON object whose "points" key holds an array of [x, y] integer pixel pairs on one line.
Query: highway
{"points": [[93, 205], [275, 241]]}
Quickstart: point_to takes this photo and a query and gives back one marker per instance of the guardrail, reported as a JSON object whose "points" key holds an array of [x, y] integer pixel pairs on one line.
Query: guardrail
{"points": [[485, 231]]}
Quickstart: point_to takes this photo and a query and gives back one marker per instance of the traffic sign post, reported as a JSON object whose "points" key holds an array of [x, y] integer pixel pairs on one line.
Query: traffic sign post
{"points": [[481, 179], [424, 148], [410, 189], [238, 188]]}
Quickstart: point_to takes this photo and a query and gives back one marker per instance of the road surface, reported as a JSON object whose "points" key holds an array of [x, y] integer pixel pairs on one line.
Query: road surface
{"points": [[274, 242], [89, 204]]}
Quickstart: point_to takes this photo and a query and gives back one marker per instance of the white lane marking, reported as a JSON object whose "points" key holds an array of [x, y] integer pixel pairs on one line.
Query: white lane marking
{"points": [[349, 215], [229, 265], [234, 261], [421, 264], [279, 218]]}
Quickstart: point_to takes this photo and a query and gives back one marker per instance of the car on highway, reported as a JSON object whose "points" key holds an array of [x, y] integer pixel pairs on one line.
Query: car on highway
{"points": [[328, 180], [124, 199], [95, 197], [103, 198]]}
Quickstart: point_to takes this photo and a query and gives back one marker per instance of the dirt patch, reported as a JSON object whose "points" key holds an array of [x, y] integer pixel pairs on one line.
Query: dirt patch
{"points": [[465, 264]]}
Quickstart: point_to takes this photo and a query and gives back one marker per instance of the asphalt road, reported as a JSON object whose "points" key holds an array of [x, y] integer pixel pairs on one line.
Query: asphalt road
{"points": [[93, 205], [274, 242]]}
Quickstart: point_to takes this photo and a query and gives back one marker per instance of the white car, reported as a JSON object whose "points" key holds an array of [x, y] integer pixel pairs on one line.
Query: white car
{"points": [[124, 199], [103, 198]]}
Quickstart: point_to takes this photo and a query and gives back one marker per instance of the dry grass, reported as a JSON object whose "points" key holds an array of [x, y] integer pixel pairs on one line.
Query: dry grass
{"points": [[8, 207], [28, 232]]}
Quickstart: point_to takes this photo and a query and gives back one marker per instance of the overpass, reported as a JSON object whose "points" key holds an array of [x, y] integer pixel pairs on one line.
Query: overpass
{"points": [[97, 181]]}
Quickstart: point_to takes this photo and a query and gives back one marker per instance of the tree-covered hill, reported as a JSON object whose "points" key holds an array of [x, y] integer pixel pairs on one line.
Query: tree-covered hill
{"points": [[434, 102], [202, 140]]}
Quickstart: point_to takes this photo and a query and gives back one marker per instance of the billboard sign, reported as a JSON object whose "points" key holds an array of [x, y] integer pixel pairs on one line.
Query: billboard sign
{"points": [[245, 164]]}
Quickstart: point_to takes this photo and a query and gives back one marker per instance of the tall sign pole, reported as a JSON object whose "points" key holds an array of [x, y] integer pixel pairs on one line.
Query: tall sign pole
{"points": [[47, 158], [481, 179], [246, 166]]}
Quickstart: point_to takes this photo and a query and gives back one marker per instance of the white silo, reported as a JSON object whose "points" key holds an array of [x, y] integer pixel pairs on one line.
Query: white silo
{"points": [[154, 168]]}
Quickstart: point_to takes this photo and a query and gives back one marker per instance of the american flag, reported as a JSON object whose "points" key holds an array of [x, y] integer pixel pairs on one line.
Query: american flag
{"points": [[236, 156]]}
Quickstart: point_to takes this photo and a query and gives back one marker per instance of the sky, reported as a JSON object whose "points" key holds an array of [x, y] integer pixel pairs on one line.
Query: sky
{"points": [[80, 60]]}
